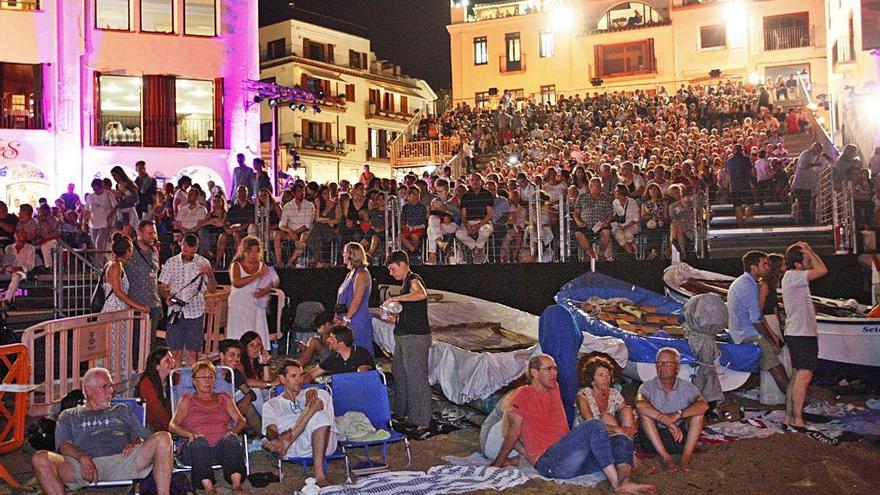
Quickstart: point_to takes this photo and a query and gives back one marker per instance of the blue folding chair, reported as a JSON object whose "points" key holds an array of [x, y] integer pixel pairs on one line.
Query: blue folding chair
{"points": [[181, 380], [305, 462], [138, 408], [367, 392]]}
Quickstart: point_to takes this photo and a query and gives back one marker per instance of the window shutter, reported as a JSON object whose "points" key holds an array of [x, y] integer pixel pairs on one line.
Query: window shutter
{"points": [[651, 62], [349, 92], [219, 136], [305, 131], [326, 89], [330, 53], [600, 71], [37, 107], [306, 50], [350, 134], [159, 111], [98, 130], [404, 105], [328, 132]]}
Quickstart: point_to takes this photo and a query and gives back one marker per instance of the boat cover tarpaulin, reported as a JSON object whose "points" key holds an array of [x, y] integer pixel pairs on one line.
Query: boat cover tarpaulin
{"points": [[739, 357]]}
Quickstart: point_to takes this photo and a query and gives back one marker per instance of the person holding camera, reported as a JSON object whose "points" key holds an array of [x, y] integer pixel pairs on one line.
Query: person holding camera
{"points": [[183, 282]]}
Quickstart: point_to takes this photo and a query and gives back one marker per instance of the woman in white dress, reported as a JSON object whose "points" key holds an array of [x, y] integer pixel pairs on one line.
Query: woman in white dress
{"points": [[116, 290], [252, 282]]}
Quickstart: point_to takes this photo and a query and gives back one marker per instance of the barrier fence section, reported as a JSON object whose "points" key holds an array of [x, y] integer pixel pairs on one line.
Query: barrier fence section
{"points": [[63, 350], [16, 366]]}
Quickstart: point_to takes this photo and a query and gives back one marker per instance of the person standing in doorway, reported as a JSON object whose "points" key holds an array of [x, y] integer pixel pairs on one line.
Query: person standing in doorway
{"points": [[412, 336]]}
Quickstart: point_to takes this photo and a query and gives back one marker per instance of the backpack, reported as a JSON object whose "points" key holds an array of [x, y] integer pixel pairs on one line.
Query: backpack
{"points": [[99, 297]]}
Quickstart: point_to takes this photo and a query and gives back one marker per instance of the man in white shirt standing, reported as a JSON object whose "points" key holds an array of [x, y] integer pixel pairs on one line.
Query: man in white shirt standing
{"points": [[801, 329], [300, 424], [99, 214], [17, 262], [183, 282], [297, 217]]}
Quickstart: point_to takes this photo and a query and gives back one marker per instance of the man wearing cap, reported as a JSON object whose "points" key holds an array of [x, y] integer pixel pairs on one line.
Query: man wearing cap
{"points": [[412, 337]]}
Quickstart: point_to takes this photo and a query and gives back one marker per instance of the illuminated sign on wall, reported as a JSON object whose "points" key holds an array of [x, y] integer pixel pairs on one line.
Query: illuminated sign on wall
{"points": [[9, 149]]}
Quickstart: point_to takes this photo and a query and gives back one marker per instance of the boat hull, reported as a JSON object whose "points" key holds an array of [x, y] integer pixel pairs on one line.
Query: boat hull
{"points": [[842, 340], [730, 379]]}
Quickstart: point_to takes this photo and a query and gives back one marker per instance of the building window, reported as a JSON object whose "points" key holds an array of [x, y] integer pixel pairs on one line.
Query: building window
{"points": [[481, 100], [377, 146], [20, 4], [350, 134], [276, 49], [265, 132], [119, 109], [787, 31], [349, 93], [713, 36], [315, 85], [318, 51], [513, 52], [481, 51], [357, 60], [195, 113], [625, 59], [514, 95], [200, 17], [157, 16], [112, 14], [628, 15], [548, 94], [21, 96], [545, 44]]}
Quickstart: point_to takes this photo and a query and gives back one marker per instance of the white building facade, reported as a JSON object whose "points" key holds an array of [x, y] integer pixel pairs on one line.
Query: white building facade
{"points": [[86, 85]]}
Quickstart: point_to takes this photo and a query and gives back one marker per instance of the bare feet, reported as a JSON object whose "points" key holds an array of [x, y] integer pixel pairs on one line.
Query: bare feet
{"points": [[633, 488], [686, 464], [322, 481], [669, 465]]}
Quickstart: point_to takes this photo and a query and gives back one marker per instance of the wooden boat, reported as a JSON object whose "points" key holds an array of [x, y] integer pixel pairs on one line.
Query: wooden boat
{"points": [[654, 322], [480, 346], [846, 335]]}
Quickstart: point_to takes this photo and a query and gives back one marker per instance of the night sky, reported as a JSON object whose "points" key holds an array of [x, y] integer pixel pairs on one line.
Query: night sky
{"points": [[411, 33]]}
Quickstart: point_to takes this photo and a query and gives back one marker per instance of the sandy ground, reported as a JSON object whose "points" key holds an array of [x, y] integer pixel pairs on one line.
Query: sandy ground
{"points": [[781, 464]]}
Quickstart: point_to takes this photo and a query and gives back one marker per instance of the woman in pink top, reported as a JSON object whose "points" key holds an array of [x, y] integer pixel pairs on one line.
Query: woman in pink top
{"points": [[211, 424]]}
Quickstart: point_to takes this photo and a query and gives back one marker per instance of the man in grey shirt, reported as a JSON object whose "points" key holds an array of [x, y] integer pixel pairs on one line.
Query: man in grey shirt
{"points": [[806, 175], [142, 269], [671, 411], [101, 441]]}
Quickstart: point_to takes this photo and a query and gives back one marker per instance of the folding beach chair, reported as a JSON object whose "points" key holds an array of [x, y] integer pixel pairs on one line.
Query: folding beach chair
{"points": [[367, 392], [181, 379], [305, 462], [138, 408]]}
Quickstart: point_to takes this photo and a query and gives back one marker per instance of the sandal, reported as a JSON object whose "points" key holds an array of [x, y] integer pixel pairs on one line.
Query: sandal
{"points": [[822, 438]]}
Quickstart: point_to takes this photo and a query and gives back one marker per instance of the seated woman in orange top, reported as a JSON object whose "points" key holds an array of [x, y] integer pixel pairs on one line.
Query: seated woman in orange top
{"points": [[153, 388]]}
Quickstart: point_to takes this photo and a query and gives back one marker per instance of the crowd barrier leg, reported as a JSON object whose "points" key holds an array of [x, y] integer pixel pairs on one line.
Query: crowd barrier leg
{"points": [[15, 360]]}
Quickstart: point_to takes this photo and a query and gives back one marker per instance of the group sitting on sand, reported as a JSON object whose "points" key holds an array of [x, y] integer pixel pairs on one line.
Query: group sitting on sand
{"points": [[529, 424]]}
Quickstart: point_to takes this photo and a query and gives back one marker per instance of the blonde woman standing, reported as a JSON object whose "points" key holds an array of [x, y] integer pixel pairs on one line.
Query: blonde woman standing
{"points": [[352, 299], [252, 282]]}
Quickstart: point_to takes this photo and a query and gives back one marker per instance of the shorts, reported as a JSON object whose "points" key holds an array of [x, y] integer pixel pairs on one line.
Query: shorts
{"points": [[589, 234], [666, 439], [626, 235], [110, 468], [769, 359], [186, 334], [742, 197], [804, 352]]}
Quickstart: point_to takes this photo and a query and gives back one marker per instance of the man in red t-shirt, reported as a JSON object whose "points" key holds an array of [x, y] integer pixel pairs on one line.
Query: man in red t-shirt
{"points": [[535, 424]]}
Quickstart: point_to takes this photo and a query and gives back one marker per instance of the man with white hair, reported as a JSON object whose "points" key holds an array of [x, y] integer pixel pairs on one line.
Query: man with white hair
{"points": [[100, 441], [671, 411]]}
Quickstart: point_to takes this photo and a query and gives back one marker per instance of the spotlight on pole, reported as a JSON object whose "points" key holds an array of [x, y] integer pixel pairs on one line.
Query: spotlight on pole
{"points": [[292, 106], [302, 107], [596, 81], [272, 102], [258, 99]]}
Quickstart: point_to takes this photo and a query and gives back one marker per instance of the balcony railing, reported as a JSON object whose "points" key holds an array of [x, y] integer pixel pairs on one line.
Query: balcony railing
{"points": [[328, 146], [20, 119], [20, 4], [843, 51], [127, 130], [274, 52], [506, 66], [375, 111], [788, 37]]}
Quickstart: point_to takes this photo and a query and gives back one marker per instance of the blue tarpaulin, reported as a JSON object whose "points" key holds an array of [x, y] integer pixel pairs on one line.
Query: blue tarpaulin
{"points": [[739, 357], [560, 338]]}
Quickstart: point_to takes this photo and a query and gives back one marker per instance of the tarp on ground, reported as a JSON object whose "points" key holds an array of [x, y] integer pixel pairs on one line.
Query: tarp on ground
{"points": [[739, 357]]}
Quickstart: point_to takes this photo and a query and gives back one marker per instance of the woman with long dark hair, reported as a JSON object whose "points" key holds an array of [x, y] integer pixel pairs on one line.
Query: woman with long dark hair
{"points": [[254, 364], [153, 388], [117, 299]]}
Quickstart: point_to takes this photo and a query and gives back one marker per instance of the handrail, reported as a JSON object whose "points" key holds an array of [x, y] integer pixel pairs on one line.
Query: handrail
{"points": [[75, 276], [405, 136]]}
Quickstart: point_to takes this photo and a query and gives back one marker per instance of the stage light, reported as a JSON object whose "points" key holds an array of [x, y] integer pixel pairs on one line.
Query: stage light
{"points": [[512, 159], [754, 78], [292, 105], [872, 105], [316, 108], [302, 107], [258, 99], [596, 81], [715, 73], [811, 106], [563, 19], [736, 17], [320, 95], [272, 102]]}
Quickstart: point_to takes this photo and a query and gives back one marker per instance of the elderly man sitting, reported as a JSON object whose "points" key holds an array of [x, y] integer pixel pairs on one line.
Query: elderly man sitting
{"points": [[300, 424], [101, 441], [671, 411]]}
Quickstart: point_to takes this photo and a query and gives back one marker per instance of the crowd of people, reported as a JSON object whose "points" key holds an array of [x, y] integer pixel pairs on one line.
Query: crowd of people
{"points": [[624, 166]]}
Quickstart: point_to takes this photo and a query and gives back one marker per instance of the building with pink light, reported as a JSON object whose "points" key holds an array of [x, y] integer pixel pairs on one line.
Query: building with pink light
{"points": [[86, 85]]}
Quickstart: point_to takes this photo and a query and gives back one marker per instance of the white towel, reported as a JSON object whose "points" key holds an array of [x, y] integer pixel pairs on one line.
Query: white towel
{"points": [[438, 480], [478, 459]]}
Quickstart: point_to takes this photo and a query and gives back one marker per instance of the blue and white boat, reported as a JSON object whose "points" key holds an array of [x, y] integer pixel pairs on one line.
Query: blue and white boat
{"points": [[735, 364], [846, 335]]}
